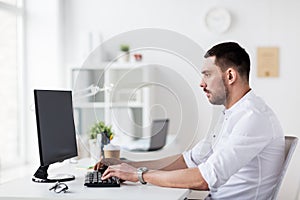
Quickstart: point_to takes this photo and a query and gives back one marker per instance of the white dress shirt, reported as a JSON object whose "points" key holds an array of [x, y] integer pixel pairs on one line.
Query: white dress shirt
{"points": [[243, 156]]}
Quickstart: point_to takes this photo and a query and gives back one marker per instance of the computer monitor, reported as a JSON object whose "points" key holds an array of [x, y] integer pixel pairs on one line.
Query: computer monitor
{"points": [[56, 131]]}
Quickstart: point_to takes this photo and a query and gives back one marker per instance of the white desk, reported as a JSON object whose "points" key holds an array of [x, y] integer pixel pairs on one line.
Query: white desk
{"points": [[24, 188]]}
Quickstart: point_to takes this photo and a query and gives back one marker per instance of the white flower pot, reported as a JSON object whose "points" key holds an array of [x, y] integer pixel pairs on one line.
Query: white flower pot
{"points": [[95, 149], [124, 57]]}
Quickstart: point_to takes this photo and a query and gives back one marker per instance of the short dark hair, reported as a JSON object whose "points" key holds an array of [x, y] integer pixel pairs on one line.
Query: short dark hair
{"points": [[231, 54]]}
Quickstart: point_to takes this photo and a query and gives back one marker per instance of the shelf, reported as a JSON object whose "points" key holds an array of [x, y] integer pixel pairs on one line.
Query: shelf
{"points": [[128, 65], [126, 92], [115, 65], [127, 105], [90, 105], [106, 105]]}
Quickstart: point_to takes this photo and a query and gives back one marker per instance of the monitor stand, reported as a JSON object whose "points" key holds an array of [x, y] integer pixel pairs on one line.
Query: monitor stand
{"points": [[41, 176]]}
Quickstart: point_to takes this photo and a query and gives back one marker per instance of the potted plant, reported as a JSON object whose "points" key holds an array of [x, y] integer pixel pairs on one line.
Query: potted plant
{"points": [[100, 127], [100, 134], [124, 48]]}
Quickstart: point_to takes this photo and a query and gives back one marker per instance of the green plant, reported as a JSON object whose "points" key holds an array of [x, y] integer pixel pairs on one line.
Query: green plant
{"points": [[101, 128], [124, 47]]}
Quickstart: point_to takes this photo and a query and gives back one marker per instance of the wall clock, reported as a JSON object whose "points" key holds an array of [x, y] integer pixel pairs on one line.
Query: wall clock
{"points": [[218, 19]]}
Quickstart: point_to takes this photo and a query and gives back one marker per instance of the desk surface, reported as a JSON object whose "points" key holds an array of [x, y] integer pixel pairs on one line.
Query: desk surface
{"points": [[24, 188]]}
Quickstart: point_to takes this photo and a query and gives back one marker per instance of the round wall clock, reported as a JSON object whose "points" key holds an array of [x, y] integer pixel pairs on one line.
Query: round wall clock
{"points": [[218, 19]]}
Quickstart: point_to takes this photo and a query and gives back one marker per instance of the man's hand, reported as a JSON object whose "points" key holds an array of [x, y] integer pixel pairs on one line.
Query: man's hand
{"points": [[107, 162], [123, 171]]}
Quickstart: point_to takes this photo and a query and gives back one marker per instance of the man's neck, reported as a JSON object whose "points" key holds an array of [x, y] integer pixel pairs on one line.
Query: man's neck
{"points": [[236, 95]]}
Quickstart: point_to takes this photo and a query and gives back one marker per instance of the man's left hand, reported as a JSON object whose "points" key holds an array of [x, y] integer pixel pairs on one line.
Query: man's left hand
{"points": [[123, 171]]}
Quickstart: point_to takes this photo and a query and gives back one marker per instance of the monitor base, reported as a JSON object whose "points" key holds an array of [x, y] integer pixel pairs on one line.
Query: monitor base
{"points": [[41, 176], [62, 178]]}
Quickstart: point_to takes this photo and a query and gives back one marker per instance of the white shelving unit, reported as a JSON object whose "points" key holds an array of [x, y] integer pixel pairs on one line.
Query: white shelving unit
{"points": [[124, 104]]}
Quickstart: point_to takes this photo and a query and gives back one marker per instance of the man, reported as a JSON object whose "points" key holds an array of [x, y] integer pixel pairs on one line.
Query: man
{"points": [[243, 158]]}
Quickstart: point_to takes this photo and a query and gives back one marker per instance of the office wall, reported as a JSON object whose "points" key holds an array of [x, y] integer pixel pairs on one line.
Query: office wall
{"points": [[43, 62], [254, 23]]}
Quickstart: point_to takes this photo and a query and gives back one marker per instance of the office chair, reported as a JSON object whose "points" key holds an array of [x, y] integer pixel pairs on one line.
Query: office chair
{"points": [[290, 146]]}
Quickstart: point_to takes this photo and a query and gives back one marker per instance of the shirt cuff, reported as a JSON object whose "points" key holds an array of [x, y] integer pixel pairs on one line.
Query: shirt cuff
{"points": [[208, 174], [187, 156]]}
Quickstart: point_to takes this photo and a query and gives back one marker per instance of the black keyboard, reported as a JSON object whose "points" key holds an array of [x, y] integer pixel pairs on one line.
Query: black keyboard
{"points": [[93, 179]]}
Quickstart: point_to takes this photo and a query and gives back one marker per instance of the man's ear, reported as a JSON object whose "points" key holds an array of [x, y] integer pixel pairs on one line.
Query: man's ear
{"points": [[231, 75]]}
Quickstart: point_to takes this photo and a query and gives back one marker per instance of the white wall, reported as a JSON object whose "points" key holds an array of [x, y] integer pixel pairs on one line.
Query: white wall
{"points": [[43, 57], [255, 23]]}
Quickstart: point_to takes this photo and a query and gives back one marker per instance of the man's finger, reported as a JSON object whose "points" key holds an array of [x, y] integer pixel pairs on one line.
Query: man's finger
{"points": [[108, 170], [108, 173], [99, 164], [96, 166]]}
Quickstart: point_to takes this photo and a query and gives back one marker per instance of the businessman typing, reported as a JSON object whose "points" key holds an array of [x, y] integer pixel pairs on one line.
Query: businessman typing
{"points": [[242, 160]]}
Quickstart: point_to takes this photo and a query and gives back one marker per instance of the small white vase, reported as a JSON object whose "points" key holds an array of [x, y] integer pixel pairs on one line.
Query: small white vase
{"points": [[95, 149], [124, 57]]}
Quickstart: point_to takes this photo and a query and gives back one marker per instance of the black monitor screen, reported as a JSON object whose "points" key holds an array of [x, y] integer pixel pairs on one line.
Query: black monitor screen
{"points": [[55, 125]]}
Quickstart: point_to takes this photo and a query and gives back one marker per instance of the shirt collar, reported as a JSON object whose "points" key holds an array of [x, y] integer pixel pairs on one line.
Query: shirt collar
{"points": [[235, 106]]}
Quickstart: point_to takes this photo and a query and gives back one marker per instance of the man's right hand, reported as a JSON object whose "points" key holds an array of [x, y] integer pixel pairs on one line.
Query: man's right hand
{"points": [[107, 162]]}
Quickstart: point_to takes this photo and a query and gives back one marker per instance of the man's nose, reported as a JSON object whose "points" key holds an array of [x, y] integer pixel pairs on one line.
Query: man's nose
{"points": [[202, 83]]}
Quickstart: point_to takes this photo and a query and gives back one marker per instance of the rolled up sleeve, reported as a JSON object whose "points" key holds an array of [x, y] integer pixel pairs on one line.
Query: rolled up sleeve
{"points": [[198, 154], [187, 156]]}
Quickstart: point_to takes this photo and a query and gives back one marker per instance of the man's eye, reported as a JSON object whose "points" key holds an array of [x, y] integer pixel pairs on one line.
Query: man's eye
{"points": [[206, 75]]}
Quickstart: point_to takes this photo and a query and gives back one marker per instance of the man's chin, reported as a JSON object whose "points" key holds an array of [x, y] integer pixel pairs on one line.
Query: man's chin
{"points": [[213, 102]]}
